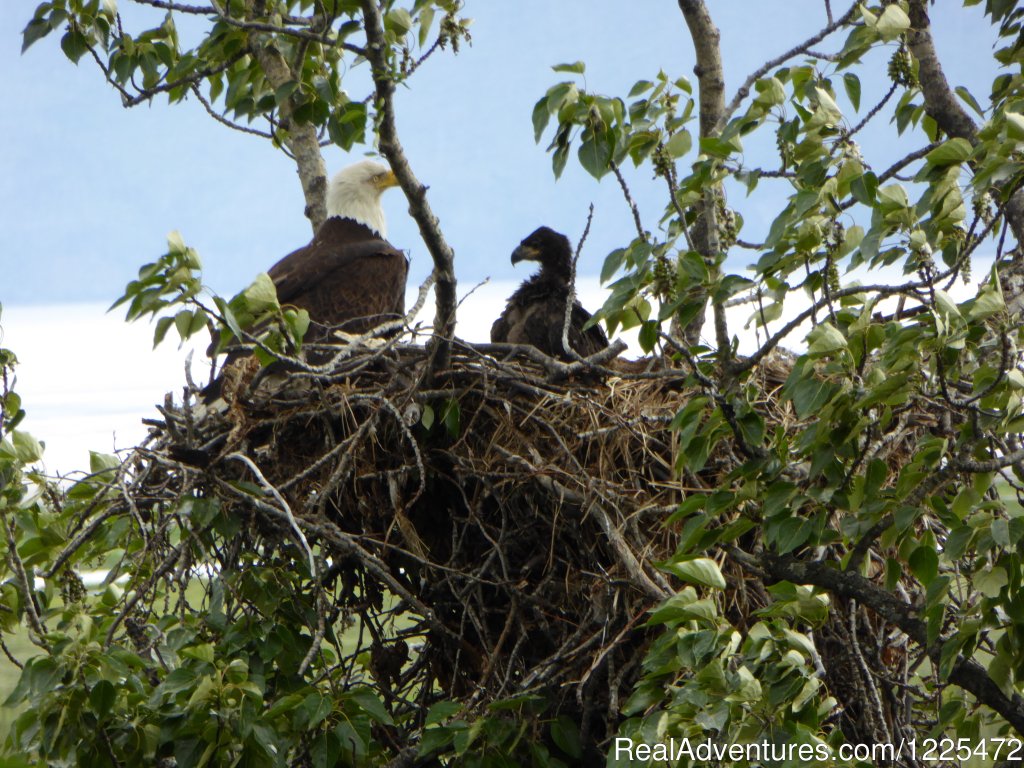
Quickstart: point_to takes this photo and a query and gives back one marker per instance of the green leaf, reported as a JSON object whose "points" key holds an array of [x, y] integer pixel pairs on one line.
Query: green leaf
{"points": [[1015, 125], [566, 734], [864, 188], [426, 20], [648, 336], [36, 29], [952, 152], [790, 533], [852, 85], [102, 697], [679, 144], [282, 93], [968, 98], [892, 23], [316, 707], [261, 295], [612, 262], [427, 417], [595, 154], [988, 303], [102, 462], [696, 570], [1001, 532], [162, 326], [824, 339], [399, 21], [74, 44], [175, 243], [541, 116], [188, 323], [26, 448], [641, 86], [990, 583], [577, 67], [451, 417], [770, 92], [924, 563], [441, 711]]}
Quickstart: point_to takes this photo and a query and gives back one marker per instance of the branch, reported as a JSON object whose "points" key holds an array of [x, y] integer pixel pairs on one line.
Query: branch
{"points": [[225, 121], [25, 585], [711, 84], [881, 290], [894, 169], [965, 673], [415, 192], [943, 106], [570, 296], [710, 78], [765, 68], [257, 26], [939, 100], [872, 112], [640, 233], [286, 510], [301, 139]]}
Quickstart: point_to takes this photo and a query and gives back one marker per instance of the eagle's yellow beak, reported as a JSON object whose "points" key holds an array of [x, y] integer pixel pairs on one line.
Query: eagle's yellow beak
{"points": [[386, 180]]}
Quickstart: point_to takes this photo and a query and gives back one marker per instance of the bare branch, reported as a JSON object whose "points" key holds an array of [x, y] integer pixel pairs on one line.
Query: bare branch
{"points": [[711, 83], [874, 111], [570, 296], [415, 192], [223, 120], [285, 509], [629, 200]]}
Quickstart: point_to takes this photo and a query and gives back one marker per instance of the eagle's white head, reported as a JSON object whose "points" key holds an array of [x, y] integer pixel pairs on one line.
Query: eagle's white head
{"points": [[354, 193]]}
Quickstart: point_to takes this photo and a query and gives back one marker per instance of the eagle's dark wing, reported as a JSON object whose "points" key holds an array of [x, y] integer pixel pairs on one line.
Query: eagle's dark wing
{"points": [[347, 278]]}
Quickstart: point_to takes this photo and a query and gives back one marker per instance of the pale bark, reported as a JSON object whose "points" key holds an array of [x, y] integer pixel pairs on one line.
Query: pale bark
{"points": [[711, 98], [301, 139]]}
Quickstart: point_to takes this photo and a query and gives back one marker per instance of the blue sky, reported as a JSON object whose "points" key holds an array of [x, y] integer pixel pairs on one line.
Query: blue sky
{"points": [[90, 190]]}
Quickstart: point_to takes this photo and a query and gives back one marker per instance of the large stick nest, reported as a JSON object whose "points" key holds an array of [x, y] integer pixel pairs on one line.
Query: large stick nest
{"points": [[503, 519], [485, 533]]}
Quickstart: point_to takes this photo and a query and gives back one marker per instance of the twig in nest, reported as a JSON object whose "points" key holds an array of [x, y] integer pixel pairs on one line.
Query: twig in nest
{"points": [[285, 508], [570, 297]]}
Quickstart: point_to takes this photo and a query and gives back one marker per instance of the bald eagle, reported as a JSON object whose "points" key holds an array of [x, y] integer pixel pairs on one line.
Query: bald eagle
{"points": [[349, 277], [535, 313]]}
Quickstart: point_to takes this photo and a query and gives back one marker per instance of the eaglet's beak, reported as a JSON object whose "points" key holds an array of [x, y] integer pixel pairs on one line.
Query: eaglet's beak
{"points": [[525, 253]]}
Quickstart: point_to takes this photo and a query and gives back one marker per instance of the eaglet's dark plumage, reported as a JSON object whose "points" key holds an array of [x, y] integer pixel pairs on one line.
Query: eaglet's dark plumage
{"points": [[535, 313]]}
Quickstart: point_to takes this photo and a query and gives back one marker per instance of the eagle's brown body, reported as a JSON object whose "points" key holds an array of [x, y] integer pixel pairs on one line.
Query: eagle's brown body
{"points": [[535, 313], [348, 278]]}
